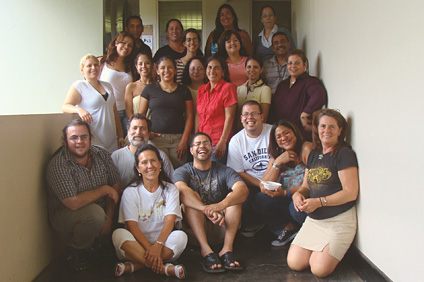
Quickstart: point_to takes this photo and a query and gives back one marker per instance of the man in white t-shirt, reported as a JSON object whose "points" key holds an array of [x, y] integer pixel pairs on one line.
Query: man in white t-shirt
{"points": [[248, 155]]}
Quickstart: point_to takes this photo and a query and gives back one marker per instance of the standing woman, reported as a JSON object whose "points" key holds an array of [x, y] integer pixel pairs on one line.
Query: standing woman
{"points": [[118, 70], [171, 108], [144, 67], [232, 51], [328, 194], [263, 42], [226, 19], [175, 48], [216, 106], [194, 76], [254, 89], [191, 41], [150, 209], [94, 102], [298, 96]]}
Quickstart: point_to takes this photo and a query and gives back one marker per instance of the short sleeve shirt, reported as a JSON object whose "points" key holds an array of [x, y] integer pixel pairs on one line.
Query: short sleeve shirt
{"points": [[211, 108], [212, 185], [66, 178]]}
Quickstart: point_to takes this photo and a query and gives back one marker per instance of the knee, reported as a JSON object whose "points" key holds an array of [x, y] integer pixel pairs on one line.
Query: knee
{"points": [[295, 264], [94, 214], [321, 271]]}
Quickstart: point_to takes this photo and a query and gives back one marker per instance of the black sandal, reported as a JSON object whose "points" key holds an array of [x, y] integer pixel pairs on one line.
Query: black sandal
{"points": [[228, 259], [209, 260]]}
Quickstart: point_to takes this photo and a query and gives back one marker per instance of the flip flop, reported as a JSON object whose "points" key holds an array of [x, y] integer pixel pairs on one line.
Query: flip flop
{"points": [[209, 260], [228, 259]]}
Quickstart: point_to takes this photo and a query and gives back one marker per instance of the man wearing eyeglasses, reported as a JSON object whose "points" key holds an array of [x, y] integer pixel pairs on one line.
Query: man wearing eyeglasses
{"points": [[248, 156], [212, 195], [83, 186], [275, 69]]}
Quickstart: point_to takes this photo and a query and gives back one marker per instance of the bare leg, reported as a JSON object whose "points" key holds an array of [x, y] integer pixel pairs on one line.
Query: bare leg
{"points": [[135, 253], [196, 219], [322, 263], [232, 222], [298, 258]]}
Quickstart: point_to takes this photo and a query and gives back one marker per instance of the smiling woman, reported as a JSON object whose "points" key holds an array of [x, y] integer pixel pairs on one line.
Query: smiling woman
{"points": [[94, 102]]}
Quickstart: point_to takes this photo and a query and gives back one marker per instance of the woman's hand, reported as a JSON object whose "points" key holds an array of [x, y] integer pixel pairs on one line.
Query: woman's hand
{"points": [[85, 116], [298, 201], [286, 157], [181, 149], [220, 149], [310, 204], [153, 257], [306, 120], [153, 135], [273, 194]]}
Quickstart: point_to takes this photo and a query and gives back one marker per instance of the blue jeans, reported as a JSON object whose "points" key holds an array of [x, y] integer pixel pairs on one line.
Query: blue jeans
{"points": [[124, 121], [260, 208], [222, 160]]}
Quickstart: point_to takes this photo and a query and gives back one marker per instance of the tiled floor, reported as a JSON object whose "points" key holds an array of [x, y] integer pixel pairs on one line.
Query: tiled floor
{"points": [[262, 262]]}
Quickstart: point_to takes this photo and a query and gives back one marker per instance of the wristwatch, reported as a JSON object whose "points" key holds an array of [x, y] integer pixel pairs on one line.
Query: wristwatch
{"points": [[276, 166]]}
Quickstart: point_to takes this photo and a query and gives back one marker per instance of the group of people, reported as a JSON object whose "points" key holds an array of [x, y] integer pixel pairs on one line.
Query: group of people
{"points": [[181, 175]]}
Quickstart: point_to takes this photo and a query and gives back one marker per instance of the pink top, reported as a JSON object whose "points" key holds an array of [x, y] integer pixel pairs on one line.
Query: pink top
{"points": [[211, 108], [237, 71]]}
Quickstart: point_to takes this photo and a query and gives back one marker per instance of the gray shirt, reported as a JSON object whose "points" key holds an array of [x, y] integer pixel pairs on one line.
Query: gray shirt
{"points": [[124, 161], [273, 73]]}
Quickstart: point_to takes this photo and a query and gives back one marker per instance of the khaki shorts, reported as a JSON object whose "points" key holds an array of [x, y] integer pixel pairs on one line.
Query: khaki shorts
{"points": [[338, 232]]}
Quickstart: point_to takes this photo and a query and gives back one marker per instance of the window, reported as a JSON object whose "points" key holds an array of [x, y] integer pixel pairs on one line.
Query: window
{"points": [[188, 12]]}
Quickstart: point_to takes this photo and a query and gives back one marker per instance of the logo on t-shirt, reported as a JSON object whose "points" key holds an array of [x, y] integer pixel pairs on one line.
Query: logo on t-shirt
{"points": [[319, 174]]}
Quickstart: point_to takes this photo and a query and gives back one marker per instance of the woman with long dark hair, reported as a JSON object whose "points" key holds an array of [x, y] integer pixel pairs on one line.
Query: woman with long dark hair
{"points": [[149, 210]]}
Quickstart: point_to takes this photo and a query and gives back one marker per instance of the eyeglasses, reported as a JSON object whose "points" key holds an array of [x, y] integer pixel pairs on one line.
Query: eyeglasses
{"points": [[74, 138], [252, 114], [298, 63], [192, 39], [204, 143]]}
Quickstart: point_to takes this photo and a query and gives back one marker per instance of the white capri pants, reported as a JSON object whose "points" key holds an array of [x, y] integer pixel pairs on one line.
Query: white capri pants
{"points": [[176, 242]]}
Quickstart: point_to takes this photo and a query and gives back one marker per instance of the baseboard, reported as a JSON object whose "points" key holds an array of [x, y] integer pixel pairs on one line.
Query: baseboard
{"points": [[364, 267]]}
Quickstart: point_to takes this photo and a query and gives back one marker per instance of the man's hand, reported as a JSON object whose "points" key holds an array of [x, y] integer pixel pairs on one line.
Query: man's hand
{"points": [[107, 226], [210, 209], [112, 194], [217, 217]]}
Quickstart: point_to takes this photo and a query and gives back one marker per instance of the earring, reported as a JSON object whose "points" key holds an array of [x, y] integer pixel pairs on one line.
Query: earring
{"points": [[139, 174]]}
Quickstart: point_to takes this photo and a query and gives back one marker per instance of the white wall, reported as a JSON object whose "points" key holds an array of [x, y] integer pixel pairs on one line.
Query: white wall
{"points": [[369, 56], [42, 43]]}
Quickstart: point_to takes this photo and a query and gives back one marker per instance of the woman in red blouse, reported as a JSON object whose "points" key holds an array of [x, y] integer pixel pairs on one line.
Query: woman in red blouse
{"points": [[216, 106]]}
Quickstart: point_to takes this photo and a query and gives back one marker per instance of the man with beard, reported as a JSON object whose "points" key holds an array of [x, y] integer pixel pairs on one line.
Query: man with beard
{"points": [[83, 186], [138, 128], [212, 194], [275, 69]]}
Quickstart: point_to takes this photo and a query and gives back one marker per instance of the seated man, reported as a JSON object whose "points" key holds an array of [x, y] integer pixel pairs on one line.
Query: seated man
{"points": [[248, 156], [83, 186], [213, 190], [138, 129]]}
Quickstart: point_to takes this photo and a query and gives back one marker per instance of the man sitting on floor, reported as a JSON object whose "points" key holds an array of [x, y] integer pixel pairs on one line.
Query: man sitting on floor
{"points": [[83, 186], [212, 195]]}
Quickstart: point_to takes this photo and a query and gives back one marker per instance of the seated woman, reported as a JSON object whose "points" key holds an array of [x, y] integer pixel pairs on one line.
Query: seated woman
{"points": [[150, 209], [234, 54], [298, 96], [328, 194], [144, 66], [171, 108], [94, 102], [226, 19], [289, 154], [254, 89], [216, 106]]}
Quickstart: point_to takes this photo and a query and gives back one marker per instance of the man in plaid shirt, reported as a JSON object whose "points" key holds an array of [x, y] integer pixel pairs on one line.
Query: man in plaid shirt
{"points": [[83, 189]]}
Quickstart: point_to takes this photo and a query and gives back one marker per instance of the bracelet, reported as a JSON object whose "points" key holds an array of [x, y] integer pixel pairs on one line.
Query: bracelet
{"points": [[325, 201], [289, 193], [321, 201], [276, 166], [160, 243]]}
